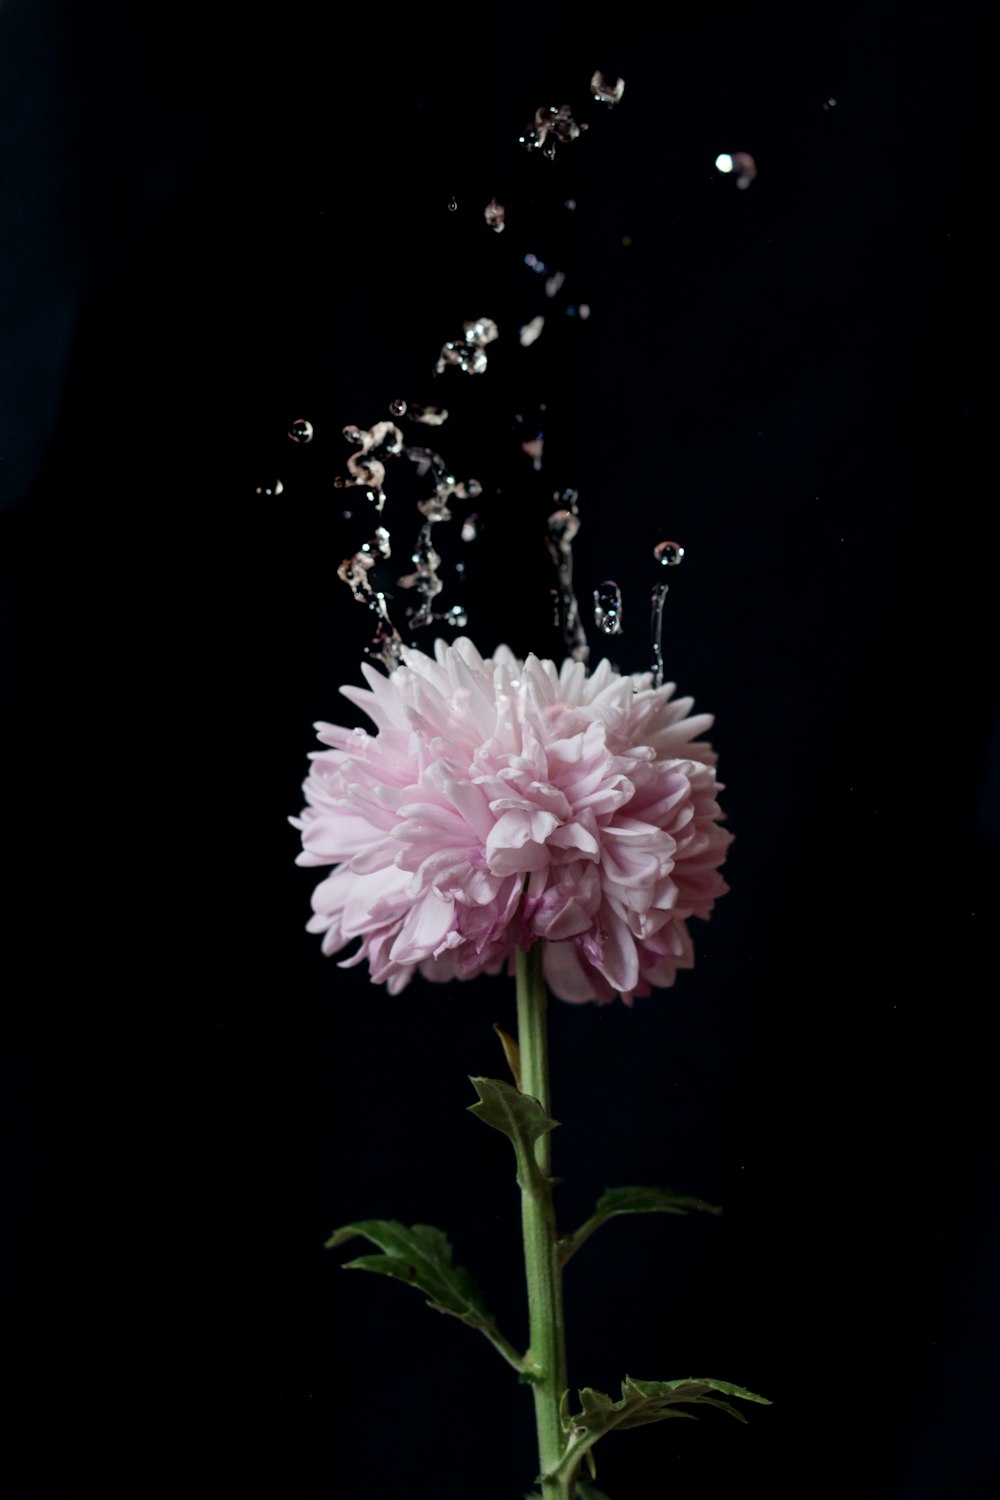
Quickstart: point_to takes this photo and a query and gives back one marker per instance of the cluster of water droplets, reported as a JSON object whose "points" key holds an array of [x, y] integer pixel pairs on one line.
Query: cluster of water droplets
{"points": [[366, 466]]}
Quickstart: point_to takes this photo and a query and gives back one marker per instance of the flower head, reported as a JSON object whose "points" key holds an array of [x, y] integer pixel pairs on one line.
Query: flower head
{"points": [[500, 802]]}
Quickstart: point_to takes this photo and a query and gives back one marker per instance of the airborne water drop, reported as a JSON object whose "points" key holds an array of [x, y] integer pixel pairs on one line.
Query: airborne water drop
{"points": [[608, 608], [668, 554]]}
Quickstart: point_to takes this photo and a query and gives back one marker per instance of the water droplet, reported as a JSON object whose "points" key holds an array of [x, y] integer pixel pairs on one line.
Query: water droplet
{"points": [[606, 92], [460, 567], [554, 282], [347, 514], [534, 448], [493, 213], [469, 531], [431, 416], [740, 162], [301, 431], [480, 331], [668, 553], [468, 353], [452, 205], [570, 204], [457, 617], [529, 333], [747, 168], [830, 104], [608, 608], [473, 489], [271, 488], [352, 434], [397, 408], [584, 310]]}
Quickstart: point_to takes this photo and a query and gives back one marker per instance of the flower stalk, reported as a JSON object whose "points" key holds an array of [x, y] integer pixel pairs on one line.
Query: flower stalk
{"points": [[546, 1355]]}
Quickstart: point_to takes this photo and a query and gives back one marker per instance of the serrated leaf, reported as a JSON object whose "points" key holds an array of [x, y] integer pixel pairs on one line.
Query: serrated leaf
{"points": [[520, 1118], [632, 1200], [642, 1402], [650, 1200], [422, 1257]]}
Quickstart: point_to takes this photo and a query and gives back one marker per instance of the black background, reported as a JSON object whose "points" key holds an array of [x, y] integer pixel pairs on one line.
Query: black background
{"points": [[216, 224]]}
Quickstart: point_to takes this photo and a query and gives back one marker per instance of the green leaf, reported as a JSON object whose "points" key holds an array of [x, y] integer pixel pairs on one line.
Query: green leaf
{"points": [[588, 1492], [422, 1257], [520, 1118], [650, 1200], [631, 1200], [642, 1402]]}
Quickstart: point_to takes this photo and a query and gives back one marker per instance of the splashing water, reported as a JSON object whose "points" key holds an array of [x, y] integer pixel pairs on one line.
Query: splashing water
{"points": [[366, 466], [301, 431], [386, 646], [270, 488], [608, 608], [668, 555], [530, 332], [563, 525], [397, 408], [493, 213], [660, 591], [425, 579], [469, 528]]}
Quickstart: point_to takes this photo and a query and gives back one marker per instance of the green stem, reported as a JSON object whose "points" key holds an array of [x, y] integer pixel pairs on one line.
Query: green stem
{"points": [[547, 1348]]}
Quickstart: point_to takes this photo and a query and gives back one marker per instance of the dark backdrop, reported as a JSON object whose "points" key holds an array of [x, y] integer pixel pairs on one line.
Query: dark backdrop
{"points": [[215, 225]]}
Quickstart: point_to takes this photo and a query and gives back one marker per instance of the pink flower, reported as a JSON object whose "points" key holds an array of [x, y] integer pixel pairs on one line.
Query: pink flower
{"points": [[499, 803]]}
